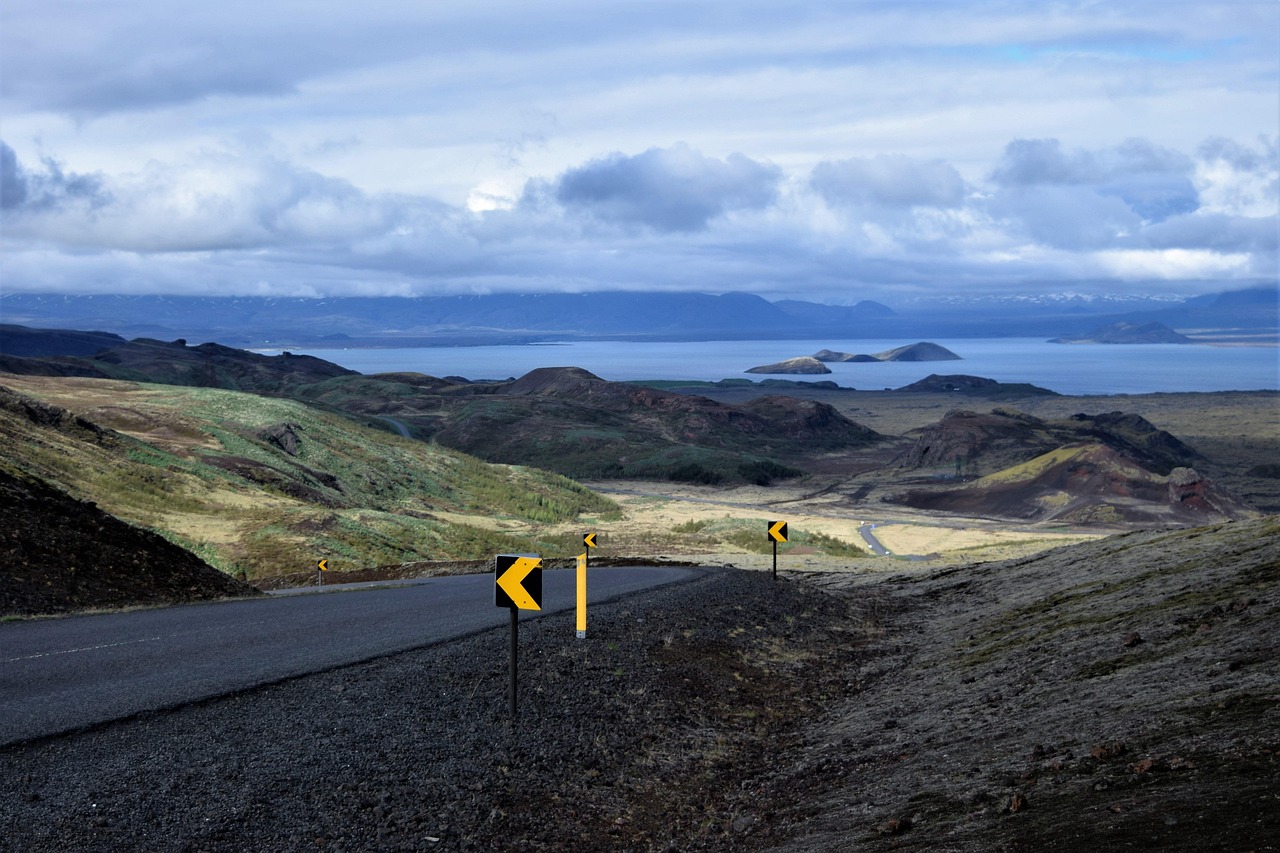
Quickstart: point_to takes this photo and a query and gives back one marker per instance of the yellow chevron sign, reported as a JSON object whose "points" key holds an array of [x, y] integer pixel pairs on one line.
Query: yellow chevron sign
{"points": [[589, 540], [323, 565], [778, 531], [518, 581]]}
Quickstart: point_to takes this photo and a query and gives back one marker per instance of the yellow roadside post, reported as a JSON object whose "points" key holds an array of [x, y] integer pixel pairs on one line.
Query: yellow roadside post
{"points": [[582, 596], [588, 542]]}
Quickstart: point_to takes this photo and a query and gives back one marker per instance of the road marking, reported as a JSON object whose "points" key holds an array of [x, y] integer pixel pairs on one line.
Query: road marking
{"points": [[84, 649]]}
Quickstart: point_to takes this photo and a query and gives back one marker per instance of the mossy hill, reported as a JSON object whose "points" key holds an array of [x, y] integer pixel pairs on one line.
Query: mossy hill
{"points": [[1112, 468], [259, 486], [567, 420], [561, 419]]}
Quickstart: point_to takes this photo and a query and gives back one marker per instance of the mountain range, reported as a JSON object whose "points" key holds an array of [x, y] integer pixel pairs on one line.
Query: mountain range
{"points": [[520, 318]]}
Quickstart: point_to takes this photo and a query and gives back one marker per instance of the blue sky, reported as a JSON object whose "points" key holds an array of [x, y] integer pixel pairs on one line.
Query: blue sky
{"points": [[829, 151]]}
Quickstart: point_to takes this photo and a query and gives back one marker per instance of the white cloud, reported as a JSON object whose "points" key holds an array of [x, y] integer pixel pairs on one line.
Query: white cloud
{"points": [[508, 146]]}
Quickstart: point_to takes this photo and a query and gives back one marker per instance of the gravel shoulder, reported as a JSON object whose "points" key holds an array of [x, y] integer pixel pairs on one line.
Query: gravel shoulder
{"points": [[1117, 694]]}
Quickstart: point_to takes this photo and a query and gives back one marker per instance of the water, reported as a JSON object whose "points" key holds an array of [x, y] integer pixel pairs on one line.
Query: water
{"points": [[1066, 368]]}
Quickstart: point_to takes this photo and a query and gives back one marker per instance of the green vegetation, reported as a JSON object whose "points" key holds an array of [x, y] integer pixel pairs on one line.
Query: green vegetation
{"points": [[259, 486]]}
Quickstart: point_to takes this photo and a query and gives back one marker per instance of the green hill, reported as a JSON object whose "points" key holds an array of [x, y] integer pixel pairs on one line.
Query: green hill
{"points": [[260, 486]]}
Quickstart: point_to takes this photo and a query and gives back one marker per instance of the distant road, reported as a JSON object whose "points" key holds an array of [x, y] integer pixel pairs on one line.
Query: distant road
{"points": [[866, 528], [58, 675], [868, 534], [397, 425]]}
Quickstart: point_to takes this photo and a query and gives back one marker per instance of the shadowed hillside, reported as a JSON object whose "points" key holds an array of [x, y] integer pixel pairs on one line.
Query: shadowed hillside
{"points": [[59, 554], [567, 420]]}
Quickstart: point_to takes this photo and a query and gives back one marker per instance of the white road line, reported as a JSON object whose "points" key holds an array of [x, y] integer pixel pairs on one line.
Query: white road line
{"points": [[85, 649]]}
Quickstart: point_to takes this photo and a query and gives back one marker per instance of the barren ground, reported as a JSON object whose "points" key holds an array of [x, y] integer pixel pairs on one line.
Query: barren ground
{"points": [[1119, 694]]}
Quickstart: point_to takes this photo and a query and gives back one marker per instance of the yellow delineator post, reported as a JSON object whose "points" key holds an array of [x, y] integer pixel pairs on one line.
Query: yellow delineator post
{"points": [[588, 542], [582, 596]]}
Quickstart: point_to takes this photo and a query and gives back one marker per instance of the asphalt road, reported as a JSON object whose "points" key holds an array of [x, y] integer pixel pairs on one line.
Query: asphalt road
{"points": [[869, 536], [58, 675]]}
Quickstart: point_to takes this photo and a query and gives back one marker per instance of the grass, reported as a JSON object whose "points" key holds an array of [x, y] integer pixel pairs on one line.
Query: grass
{"points": [[201, 471]]}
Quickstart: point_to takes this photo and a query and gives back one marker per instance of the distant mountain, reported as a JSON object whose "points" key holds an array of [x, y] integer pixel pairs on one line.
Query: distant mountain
{"points": [[1127, 333], [525, 318]]}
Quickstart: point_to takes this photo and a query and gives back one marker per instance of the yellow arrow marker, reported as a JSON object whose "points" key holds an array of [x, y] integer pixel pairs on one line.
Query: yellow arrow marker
{"points": [[582, 595], [589, 540], [512, 581], [323, 565], [778, 531]]}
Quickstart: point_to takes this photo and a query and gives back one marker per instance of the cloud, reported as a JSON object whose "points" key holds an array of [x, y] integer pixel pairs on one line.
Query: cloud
{"points": [[1238, 180], [220, 200], [890, 180], [1154, 182], [667, 189], [22, 190]]}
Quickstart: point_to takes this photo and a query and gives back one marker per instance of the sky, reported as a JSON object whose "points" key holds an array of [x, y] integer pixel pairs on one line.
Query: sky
{"points": [[830, 151]]}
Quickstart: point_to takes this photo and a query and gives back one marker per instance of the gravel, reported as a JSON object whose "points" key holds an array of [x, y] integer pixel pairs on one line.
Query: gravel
{"points": [[1120, 694], [644, 735]]}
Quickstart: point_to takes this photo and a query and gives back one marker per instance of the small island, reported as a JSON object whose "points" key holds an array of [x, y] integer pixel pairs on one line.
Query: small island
{"points": [[805, 364], [922, 351]]}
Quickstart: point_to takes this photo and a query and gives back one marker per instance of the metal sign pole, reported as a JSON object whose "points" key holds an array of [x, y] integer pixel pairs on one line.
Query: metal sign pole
{"points": [[775, 559], [515, 642]]}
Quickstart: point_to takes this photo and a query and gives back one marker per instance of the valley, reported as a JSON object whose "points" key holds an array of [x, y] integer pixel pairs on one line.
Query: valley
{"points": [[1069, 669]]}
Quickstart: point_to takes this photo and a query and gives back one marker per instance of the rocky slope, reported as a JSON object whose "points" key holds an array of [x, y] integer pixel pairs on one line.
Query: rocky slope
{"points": [[1116, 695], [58, 554]]}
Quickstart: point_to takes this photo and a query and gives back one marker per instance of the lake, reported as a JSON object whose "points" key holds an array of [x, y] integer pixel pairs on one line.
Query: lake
{"points": [[1066, 368]]}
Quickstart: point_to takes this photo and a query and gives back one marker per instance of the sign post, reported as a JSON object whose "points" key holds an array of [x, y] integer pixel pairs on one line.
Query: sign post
{"points": [[588, 542], [777, 533], [321, 568], [518, 586]]}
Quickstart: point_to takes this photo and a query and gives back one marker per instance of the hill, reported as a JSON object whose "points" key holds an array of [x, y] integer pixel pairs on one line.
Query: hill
{"points": [[976, 386], [560, 419], [1087, 483], [567, 420], [1127, 333], [59, 554], [1111, 468], [1112, 695], [260, 486], [28, 343], [922, 351]]}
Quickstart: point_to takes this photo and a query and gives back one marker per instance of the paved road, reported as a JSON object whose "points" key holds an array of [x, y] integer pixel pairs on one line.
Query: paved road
{"points": [[58, 675], [868, 532]]}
